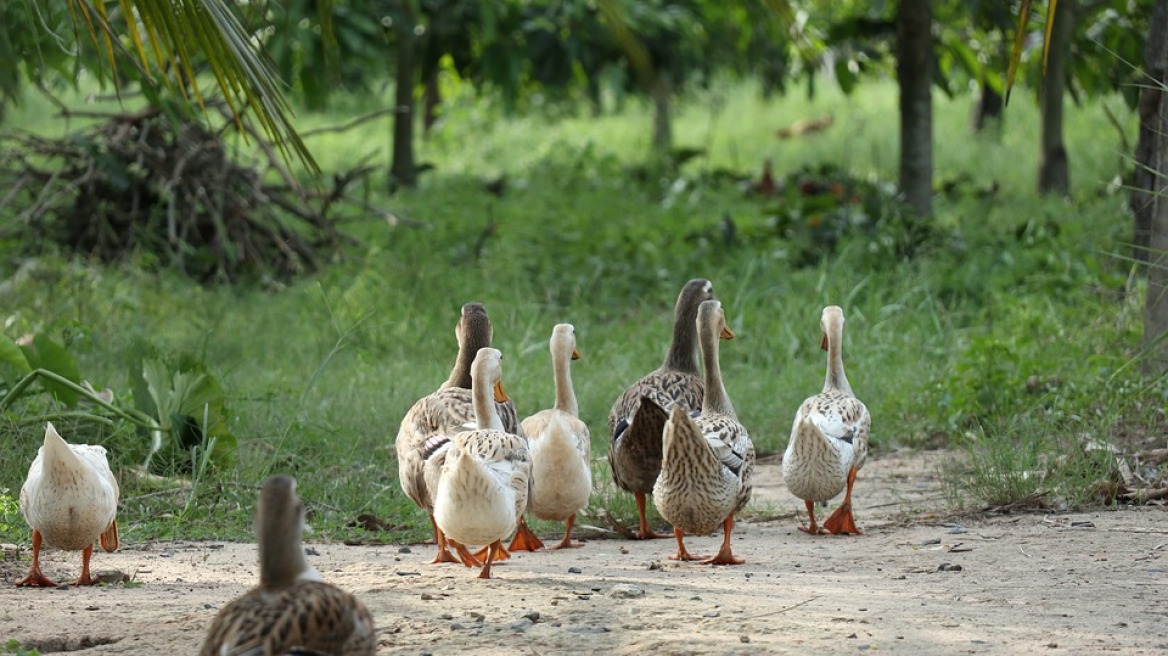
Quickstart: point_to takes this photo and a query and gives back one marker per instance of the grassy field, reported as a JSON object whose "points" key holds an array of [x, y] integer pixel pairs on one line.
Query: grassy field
{"points": [[1010, 331]]}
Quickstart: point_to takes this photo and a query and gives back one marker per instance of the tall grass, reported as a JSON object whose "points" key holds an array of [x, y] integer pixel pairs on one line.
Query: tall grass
{"points": [[319, 373]]}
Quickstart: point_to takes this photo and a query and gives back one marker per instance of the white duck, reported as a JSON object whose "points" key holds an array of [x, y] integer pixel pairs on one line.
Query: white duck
{"points": [[483, 486], [829, 439], [70, 499], [708, 462], [291, 611], [561, 448]]}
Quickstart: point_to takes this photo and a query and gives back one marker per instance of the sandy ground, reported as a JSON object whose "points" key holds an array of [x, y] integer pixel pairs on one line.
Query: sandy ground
{"points": [[917, 583]]}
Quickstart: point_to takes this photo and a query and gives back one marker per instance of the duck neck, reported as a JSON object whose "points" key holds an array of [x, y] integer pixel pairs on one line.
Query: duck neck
{"points": [[680, 356], [836, 378], [282, 561], [565, 393], [716, 400], [486, 414]]}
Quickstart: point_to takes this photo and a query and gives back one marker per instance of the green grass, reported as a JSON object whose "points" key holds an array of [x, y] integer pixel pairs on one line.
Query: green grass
{"points": [[319, 373]]}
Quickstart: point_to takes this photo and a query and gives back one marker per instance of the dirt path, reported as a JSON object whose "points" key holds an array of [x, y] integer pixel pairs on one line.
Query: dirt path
{"points": [[1084, 583]]}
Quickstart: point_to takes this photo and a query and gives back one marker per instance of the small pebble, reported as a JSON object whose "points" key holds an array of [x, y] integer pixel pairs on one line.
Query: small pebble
{"points": [[626, 591], [476, 616], [574, 570], [711, 613], [521, 626], [947, 567], [584, 597], [529, 614], [929, 542], [426, 596], [404, 550], [455, 626], [588, 629], [744, 638], [654, 565], [311, 551], [445, 616]]}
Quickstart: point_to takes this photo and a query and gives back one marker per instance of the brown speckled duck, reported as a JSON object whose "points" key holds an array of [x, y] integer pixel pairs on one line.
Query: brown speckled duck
{"points": [[829, 439], [291, 611], [483, 487], [426, 431], [638, 417], [561, 448], [70, 499], [708, 461]]}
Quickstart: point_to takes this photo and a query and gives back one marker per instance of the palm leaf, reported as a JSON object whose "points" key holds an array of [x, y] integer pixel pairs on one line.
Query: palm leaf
{"points": [[1020, 38], [184, 35]]}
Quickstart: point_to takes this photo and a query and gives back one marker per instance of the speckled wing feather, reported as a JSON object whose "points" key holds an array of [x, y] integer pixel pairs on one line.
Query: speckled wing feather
{"points": [[828, 437], [698, 488], [445, 412], [307, 618], [637, 420], [732, 445]]}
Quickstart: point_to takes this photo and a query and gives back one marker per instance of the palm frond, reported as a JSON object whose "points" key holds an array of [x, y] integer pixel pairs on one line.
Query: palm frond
{"points": [[184, 36]]}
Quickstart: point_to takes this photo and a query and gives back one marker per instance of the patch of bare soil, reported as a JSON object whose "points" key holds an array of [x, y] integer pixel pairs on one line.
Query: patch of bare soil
{"points": [[916, 583]]}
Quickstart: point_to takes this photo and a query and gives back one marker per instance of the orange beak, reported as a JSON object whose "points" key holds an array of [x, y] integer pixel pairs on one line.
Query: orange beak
{"points": [[500, 394], [726, 333], [576, 354], [823, 343]]}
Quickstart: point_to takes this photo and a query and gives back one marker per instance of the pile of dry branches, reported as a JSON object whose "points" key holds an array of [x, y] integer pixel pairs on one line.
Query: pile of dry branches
{"points": [[150, 183]]}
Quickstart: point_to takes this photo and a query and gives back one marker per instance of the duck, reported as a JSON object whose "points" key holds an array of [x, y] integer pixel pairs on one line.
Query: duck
{"points": [[70, 500], [426, 430], [707, 461], [829, 438], [561, 447], [484, 483], [291, 611], [638, 416]]}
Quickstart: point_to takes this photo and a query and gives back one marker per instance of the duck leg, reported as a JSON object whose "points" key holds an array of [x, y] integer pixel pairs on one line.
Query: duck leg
{"points": [[501, 554], [492, 550], [525, 539], [444, 555], [645, 533], [814, 528], [35, 577], [567, 542], [725, 557], [85, 578], [682, 554], [841, 521], [464, 555]]}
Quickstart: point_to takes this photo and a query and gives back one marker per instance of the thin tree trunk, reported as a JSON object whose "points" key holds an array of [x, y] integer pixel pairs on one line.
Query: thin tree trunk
{"points": [[914, 44], [432, 98], [987, 110], [1054, 174], [1144, 181], [1156, 310], [662, 125], [403, 171]]}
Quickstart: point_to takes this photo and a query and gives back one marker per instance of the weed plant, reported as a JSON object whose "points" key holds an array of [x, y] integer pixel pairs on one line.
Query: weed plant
{"points": [[1007, 334]]}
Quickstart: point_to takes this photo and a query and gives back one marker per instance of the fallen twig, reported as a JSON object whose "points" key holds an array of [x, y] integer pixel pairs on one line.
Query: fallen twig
{"points": [[783, 610]]}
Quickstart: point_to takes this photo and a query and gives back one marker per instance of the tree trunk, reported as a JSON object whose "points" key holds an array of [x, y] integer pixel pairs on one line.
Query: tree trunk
{"points": [[1054, 174], [662, 126], [432, 98], [1156, 311], [403, 171], [914, 56], [1145, 181], [987, 109]]}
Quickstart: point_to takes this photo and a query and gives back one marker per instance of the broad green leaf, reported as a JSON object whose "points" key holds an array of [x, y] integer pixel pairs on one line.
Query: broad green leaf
{"points": [[13, 364], [44, 353]]}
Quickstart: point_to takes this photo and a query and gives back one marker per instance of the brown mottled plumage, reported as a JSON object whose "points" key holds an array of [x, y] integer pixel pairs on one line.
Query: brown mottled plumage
{"points": [[483, 486], [291, 610], [638, 417], [708, 463], [561, 448], [829, 438], [426, 429]]}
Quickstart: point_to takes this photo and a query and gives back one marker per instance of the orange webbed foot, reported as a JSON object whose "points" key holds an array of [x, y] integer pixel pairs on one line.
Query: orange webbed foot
{"points": [[35, 579], [842, 522], [525, 539]]}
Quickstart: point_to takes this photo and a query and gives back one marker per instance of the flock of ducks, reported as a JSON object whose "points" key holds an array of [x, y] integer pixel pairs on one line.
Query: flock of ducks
{"points": [[466, 459]]}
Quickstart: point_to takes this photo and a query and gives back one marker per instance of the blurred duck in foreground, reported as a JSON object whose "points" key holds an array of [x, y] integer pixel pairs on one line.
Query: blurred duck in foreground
{"points": [[291, 611]]}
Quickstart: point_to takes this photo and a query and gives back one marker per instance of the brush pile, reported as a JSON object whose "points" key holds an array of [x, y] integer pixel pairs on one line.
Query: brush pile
{"points": [[170, 192]]}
